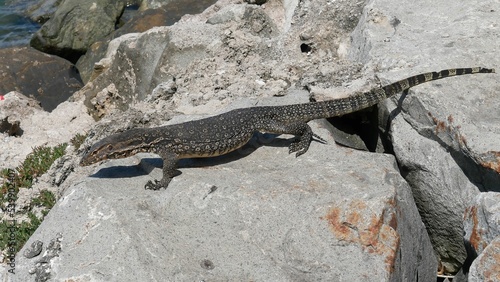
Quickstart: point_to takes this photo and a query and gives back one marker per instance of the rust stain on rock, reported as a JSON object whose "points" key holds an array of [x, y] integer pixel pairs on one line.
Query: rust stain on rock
{"points": [[440, 125], [491, 262], [376, 233], [475, 239], [491, 160]]}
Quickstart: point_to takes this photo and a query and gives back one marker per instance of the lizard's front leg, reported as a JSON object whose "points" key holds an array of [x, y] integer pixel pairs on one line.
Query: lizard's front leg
{"points": [[169, 171]]}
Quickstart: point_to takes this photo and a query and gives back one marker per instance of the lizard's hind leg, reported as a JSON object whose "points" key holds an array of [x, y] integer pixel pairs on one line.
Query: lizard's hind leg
{"points": [[302, 131]]}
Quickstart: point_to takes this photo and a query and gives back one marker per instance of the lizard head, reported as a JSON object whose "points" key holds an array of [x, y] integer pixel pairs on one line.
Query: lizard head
{"points": [[116, 146]]}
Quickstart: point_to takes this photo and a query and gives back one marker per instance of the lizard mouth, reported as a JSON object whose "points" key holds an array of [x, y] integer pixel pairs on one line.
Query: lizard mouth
{"points": [[90, 158], [93, 156], [85, 161]]}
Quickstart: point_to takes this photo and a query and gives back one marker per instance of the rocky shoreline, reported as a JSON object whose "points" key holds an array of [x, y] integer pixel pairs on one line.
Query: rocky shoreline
{"points": [[396, 213]]}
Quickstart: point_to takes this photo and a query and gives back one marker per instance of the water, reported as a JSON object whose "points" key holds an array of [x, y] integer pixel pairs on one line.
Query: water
{"points": [[15, 28]]}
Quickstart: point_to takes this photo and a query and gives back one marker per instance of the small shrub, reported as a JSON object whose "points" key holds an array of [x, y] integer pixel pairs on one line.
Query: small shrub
{"points": [[36, 163], [77, 140]]}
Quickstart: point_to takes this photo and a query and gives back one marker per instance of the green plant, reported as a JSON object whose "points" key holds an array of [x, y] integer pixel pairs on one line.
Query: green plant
{"points": [[22, 232], [78, 139], [36, 163], [46, 199], [5, 174]]}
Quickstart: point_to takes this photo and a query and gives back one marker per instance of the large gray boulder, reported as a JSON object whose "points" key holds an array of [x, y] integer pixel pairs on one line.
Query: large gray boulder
{"points": [[313, 218], [445, 134], [482, 234]]}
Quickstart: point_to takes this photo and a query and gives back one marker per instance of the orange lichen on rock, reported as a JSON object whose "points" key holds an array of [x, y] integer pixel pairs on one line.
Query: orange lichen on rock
{"points": [[491, 160], [475, 239], [490, 262], [440, 125], [376, 233]]}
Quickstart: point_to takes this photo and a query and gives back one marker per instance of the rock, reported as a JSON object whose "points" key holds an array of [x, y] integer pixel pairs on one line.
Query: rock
{"points": [[228, 14], [142, 50], [165, 15], [482, 226], [49, 79], [213, 221], [153, 4], [13, 109], [38, 127], [487, 265], [141, 22], [482, 220], [42, 10], [184, 52], [441, 189], [441, 131], [76, 25]]}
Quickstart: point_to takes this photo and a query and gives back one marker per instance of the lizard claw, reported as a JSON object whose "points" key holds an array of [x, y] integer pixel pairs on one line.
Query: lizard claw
{"points": [[299, 146], [302, 144], [319, 138], [157, 184]]}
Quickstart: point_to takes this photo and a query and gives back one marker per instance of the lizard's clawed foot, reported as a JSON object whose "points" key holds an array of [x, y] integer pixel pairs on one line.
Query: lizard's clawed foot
{"points": [[157, 184], [299, 146], [302, 144]]}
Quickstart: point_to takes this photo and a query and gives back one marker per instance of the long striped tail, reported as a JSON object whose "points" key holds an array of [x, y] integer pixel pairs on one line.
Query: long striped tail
{"points": [[359, 101], [404, 84]]}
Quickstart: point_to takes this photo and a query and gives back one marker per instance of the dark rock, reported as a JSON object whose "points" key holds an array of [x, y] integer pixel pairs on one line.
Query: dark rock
{"points": [[48, 79], [43, 10], [129, 12], [76, 25]]}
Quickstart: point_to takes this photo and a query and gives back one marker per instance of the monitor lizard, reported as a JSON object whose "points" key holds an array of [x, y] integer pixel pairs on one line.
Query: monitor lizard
{"points": [[226, 132]]}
